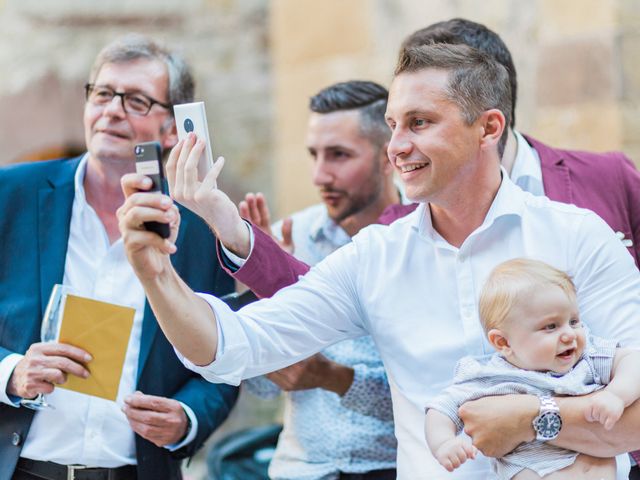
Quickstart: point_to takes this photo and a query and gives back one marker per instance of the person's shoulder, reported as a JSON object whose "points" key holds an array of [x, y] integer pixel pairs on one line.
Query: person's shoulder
{"points": [[591, 163], [545, 206], [34, 168], [398, 231], [35, 173], [395, 212]]}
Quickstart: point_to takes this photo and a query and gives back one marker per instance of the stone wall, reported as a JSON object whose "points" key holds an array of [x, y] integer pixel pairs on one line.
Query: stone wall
{"points": [[577, 61], [258, 61], [48, 48]]}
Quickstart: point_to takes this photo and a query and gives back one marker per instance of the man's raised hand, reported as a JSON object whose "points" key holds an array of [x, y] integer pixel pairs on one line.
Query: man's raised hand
{"points": [[203, 196], [255, 209]]}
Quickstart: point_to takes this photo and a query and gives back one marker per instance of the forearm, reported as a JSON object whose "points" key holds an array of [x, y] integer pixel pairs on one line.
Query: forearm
{"points": [[591, 438], [186, 319], [235, 237], [576, 434], [626, 376], [438, 429], [268, 268]]}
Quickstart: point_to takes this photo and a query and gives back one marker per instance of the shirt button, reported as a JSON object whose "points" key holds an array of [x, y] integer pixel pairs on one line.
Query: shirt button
{"points": [[16, 439]]}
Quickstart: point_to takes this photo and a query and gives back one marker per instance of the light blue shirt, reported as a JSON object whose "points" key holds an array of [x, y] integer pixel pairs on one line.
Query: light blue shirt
{"points": [[325, 434]]}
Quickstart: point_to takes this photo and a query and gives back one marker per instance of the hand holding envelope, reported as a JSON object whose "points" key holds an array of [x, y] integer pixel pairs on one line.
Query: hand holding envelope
{"points": [[102, 329]]}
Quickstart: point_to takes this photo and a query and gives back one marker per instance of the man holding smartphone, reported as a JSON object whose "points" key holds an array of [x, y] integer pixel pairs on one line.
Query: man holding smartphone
{"points": [[63, 229], [412, 285]]}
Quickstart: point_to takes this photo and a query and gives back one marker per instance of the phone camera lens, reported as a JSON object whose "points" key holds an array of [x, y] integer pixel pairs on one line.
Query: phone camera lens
{"points": [[188, 125], [138, 150]]}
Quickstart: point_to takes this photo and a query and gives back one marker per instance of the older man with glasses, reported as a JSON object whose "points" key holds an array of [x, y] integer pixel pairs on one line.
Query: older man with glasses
{"points": [[59, 226]]}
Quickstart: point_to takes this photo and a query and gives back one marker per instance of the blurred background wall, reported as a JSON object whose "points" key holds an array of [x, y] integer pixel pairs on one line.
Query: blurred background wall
{"points": [[47, 49], [257, 62], [578, 64]]}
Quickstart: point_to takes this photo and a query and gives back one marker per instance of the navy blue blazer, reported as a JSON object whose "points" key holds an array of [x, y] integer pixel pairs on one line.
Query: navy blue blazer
{"points": [[36, 204]]}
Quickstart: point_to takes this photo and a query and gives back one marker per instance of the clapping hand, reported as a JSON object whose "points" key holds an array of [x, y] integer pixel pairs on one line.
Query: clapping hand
{"points": [[255, 209]]}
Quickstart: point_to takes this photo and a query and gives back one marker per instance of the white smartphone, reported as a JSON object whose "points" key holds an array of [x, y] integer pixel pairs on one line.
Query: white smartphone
{"points": [[191, 117]]}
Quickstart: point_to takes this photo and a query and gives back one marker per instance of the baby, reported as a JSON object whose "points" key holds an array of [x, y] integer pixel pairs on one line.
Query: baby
{"points": [[530, 315]]}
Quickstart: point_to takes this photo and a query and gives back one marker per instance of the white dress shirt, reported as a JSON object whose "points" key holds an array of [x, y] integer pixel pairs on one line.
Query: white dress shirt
{"points": [[417, 296], [83, 429], [526, 171]]}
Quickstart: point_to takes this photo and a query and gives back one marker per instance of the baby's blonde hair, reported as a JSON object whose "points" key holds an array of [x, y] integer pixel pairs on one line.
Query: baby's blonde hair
{"points": [[511, 281]]}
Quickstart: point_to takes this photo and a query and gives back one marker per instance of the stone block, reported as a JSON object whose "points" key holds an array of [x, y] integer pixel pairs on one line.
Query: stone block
{"points": [[307, 30], [576, 18], [629, 55], [629, 15], [574, 72], [594, 126]]}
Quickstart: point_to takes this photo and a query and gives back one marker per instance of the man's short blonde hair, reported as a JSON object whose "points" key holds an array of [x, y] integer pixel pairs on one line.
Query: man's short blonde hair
{"points": [[510, 283]]}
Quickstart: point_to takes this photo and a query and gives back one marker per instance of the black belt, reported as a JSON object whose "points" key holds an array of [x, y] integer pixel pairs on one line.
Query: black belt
{"points": [[372, 475], [55, 471]]}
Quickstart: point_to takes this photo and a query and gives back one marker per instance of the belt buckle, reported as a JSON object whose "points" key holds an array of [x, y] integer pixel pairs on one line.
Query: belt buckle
{"points": [[71, 471]]}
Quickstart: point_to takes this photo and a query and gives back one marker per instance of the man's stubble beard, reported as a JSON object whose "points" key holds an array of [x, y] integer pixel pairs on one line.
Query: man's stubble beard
{"points": [[357, 204]]}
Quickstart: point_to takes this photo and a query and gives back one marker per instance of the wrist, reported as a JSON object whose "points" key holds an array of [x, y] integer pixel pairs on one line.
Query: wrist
{"points": [[547, 423], [339, 378], [238, 239], [12, 388], [160, 278], [529, 410], [187, 426]]}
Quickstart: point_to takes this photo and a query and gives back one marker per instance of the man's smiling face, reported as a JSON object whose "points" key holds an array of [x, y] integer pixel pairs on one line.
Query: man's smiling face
{"points": [[110, 133]]}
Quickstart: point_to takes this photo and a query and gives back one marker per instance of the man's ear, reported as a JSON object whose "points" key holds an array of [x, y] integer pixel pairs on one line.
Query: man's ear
{"points": [[499, 341], [493, 124], [169, 134]]}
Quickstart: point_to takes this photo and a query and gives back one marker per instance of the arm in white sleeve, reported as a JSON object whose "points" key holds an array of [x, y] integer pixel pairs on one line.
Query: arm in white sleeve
{"points": [[319, 310]]}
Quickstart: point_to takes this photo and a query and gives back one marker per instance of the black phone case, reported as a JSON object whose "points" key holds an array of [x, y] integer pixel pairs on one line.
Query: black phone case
{"points": [[152, 152]]}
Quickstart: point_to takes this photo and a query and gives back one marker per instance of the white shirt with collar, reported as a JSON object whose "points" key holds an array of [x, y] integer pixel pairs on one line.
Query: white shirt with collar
{"points": [[82, 429], [417, 296], [526, 171]]}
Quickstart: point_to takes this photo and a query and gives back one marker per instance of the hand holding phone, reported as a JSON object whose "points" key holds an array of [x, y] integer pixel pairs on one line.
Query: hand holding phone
{"points": [[149, 163], [191, 117]]}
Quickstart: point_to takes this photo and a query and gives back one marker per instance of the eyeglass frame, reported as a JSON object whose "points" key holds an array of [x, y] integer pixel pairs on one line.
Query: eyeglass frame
{"points": [[88, 87]]}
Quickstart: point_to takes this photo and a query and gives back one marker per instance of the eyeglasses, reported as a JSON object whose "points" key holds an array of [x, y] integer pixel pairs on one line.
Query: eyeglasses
{"points": [[132, 102]]}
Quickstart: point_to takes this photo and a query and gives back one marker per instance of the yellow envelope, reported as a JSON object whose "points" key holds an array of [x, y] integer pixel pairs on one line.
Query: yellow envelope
{"points": [[103, 330]]}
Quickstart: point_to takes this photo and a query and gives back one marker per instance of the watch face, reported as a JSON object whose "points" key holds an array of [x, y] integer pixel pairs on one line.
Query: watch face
{"points": [[548, 425]]}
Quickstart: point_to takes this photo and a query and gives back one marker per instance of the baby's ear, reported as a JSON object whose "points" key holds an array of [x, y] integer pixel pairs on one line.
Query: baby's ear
{"points": [[498, 340]]}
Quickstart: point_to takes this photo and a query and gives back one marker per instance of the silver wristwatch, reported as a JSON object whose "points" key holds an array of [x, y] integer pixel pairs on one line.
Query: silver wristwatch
{"points": [[548, 423]]}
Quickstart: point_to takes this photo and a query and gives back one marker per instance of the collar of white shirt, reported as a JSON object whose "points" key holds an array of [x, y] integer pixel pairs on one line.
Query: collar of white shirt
{"points": [[526, 171], [502, 205]]}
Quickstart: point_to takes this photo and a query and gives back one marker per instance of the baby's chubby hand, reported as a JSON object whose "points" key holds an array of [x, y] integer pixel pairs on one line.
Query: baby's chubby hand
{"points": [[455, 452], [605, 407]]}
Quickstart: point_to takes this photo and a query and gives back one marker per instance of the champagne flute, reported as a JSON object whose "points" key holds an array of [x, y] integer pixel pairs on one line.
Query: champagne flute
{"points": [[49, 331]]}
